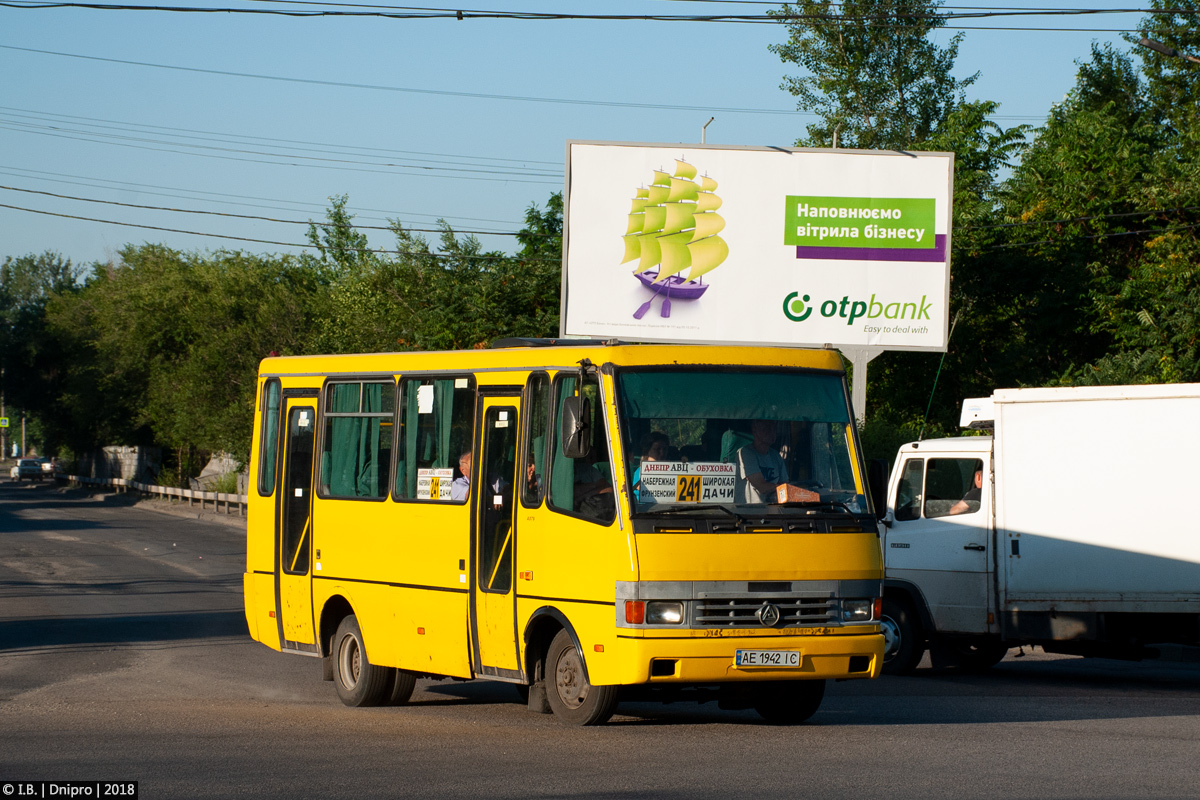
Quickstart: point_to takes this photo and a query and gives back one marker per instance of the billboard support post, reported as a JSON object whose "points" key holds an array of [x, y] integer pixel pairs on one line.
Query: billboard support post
{"points": [[859, 356]]}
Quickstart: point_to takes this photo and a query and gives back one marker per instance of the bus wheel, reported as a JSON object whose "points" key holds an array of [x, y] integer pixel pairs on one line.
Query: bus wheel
{"points": [[903, 646], [359, 682], [400, 686], [572, 699], [790, 702]]}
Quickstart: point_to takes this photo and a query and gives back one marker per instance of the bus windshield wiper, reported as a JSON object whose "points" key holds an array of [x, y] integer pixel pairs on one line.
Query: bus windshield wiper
{"points": [[830, 504], [691, 509]]}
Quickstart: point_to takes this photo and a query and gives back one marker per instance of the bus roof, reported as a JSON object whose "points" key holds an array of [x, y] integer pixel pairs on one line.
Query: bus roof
{"points": [[557, 356]]}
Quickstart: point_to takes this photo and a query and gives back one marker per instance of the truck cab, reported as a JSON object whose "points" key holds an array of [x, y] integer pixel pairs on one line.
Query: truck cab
{"points": [[938, 552]]}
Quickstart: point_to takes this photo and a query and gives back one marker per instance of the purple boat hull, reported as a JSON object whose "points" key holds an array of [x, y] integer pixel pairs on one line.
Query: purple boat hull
{"points": [[673, 286]]}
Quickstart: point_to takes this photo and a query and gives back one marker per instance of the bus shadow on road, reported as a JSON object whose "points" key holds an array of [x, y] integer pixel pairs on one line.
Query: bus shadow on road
{"points": [[120, 629]]}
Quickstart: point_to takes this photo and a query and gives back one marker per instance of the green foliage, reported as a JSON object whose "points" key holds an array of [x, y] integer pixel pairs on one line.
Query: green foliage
{"points": [[872, 72]]}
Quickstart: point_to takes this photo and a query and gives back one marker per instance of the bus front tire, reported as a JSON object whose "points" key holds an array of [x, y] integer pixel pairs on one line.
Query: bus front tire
{"points": [[400, 687], [790, 702], [572, 699], [359, 682]]}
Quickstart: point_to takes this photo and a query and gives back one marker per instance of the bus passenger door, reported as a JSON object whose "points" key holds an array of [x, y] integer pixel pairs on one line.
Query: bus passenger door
{"points": [[493, 602], [293, 518]]}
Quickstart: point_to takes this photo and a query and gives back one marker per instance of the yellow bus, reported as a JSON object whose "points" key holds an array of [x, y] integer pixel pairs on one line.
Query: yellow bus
{"points": [[586, 520]]}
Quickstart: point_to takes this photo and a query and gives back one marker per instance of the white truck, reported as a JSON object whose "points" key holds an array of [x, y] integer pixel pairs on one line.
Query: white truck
{"points": [[1079, 537]]}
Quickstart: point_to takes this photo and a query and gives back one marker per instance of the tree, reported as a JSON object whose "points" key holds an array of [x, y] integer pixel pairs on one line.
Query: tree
{"points": [[873, 76]]}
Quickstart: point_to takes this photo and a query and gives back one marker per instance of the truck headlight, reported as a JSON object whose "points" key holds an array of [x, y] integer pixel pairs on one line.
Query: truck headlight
{"points": [[659, 612], [857, 610]]}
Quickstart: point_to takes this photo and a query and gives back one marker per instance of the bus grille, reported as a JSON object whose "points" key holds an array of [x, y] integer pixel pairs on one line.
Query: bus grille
{"points": [[739, 612]]}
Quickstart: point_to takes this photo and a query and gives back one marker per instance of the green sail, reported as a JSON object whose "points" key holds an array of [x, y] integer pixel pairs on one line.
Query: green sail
{"points": [[675, 255], [682, 189], [633, 248], [707, 225], [679, 216], [655, 217], [636, 223], [650, 253], [684, 169], [659, 194], [707, 255], [637, 204], [708, 184], [661, 178], [707, 202]]}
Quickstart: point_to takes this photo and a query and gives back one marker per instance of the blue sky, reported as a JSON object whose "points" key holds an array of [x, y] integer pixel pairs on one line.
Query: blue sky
{"points": [[187, 139]]}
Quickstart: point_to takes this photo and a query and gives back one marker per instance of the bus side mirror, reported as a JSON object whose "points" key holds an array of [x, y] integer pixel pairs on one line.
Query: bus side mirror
{"points": [[877, 481], [576, 434]]}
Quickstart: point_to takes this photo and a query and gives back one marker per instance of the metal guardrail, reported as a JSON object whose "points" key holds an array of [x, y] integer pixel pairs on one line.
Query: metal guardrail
{"points": [[191, 495]]}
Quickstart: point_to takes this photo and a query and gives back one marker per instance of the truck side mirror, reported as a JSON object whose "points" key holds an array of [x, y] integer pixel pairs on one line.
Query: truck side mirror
{"points": [[575, 431], [877, 481]]}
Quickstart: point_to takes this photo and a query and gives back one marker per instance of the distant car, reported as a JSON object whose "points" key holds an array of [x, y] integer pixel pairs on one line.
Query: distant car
{"points": [[27, 468], [47, 467]]}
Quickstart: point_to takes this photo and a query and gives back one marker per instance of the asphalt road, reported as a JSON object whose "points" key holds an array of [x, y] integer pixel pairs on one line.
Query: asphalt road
{"points": [[124, 656]]}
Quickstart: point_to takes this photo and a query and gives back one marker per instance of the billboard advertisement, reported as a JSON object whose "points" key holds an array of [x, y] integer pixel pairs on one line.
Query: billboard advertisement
{"points": [[708, 244]]}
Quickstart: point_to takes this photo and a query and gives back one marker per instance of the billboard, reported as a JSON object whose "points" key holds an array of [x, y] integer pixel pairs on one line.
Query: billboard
{"points": [[709, 244]]}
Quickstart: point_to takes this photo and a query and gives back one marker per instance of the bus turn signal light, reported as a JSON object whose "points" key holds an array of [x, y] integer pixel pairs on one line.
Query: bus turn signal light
{"points": [[635, 612]]}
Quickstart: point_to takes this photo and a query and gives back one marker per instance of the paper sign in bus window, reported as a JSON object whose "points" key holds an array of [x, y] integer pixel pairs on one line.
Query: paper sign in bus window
{"points": [[434, 484], [697, 482]]}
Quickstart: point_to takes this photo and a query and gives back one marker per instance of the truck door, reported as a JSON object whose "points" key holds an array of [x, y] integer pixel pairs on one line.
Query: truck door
{"points": [[494, 486], [293, 528], [939, 538]]}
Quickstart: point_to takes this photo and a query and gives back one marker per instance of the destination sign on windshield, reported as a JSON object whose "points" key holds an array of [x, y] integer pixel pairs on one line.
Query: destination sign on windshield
{"points": [[696, 482]]}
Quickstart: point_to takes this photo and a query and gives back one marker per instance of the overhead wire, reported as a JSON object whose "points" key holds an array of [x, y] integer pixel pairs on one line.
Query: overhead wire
{"points": [[223, 197], [447, 93], [307, 245], [243, 216]]}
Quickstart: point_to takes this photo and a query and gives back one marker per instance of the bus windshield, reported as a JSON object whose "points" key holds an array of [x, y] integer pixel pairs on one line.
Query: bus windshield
{"points": [[738, 438]]}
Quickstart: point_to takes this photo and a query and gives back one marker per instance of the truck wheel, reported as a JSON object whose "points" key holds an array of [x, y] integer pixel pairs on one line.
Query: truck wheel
{"points": [[979, 656], [359, 682], [903, 642], [790, 702], [572, 699]]}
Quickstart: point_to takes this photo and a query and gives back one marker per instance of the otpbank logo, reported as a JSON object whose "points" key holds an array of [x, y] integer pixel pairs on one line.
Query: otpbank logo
{"points": [[798, 308]]}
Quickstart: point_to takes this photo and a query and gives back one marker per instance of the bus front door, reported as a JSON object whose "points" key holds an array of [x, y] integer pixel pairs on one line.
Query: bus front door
{"points": [[493, 602], [293, 527]]}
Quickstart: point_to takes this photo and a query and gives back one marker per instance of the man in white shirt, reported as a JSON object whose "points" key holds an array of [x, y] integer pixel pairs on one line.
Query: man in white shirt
{"points": [[760, 468]]}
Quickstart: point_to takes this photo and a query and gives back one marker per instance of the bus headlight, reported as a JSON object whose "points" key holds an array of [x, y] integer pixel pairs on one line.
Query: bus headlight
{"points": [[659, 612], [857, 610]]}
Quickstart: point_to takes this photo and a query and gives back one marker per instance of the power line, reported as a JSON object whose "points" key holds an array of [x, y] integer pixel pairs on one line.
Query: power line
{"points": [[246, 216], [218, 135], [306, 245], [103, 137], [225, 197], [285, 163], [446, 93], [410, 90], [419, 12]]}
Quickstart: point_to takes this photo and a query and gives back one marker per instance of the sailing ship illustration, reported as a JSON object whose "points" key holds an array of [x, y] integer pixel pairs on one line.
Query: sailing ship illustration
{"points": [[673, 226]]}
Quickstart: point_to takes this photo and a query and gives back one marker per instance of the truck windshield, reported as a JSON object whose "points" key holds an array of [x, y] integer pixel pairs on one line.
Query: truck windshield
{"points": [[738, 438]]}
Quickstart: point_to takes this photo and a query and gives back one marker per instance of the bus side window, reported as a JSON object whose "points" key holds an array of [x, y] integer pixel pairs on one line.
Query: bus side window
{"points": [[436, 418], [357, 452], [582, 486], [268, 451], [537, 419]]}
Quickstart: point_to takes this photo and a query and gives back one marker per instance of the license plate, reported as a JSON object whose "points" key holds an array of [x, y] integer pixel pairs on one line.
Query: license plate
{"points": [[766, 658]]}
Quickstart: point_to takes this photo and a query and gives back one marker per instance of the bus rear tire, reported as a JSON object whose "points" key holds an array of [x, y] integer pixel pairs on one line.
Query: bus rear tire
{"points": [[790, 702], [572, 698], [359, 683]]}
